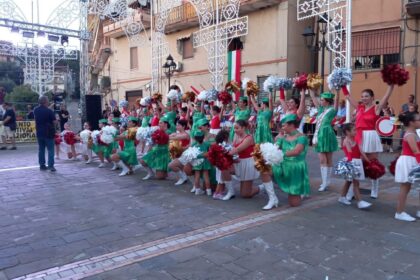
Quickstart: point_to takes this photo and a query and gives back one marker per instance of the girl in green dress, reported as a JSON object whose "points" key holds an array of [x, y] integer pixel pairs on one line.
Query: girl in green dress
{"points": [[242, 112], [114, 146], [197, 114], [292, 173], [98, 148], [265, 113], [145, 122], [158, 157], [324, 139], [127, 158], [203, 168], [170, 114]]}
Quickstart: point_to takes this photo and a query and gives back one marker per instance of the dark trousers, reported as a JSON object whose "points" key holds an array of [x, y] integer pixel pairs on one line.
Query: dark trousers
{"points": [[49, 144]]}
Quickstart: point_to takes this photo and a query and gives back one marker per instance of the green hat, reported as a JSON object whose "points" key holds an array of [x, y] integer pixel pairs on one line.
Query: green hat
{"points": [[202, 122], [164, 119], [265, 99], [243, 98], [105, 121], [198, 133], [133, 119], [289, 118], [116, 120], [328, 95]]}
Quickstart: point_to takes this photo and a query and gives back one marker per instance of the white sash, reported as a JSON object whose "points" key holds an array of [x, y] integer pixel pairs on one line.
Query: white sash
{"points": [[319, 121]]}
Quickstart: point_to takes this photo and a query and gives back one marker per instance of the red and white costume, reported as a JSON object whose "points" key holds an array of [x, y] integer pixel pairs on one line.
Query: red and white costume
{"points": [[355, 156], [407, 161], [215, 125], [245, 168], [366, 135]]}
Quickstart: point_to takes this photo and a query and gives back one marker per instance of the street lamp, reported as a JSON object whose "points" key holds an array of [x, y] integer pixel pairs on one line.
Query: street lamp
{"points": [[309, 36], [169, 67]]}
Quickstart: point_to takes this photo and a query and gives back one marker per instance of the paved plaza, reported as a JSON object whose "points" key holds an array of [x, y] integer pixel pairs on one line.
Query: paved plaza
{"points": [[85, 222]]}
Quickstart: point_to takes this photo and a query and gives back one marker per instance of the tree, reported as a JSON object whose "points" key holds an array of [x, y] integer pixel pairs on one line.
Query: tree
{"points": [[12, 71], [22, 96], [7, 84]]}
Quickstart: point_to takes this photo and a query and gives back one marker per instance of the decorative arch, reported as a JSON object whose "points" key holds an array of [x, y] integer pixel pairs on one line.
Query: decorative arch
{"points": [[218, 21], [9, 9]]}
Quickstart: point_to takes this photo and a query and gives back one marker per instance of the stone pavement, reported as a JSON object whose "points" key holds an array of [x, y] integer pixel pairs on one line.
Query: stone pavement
{"points": [[85, 222]]}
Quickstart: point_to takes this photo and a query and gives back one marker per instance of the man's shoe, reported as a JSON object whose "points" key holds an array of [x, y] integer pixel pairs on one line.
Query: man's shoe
{"points": [[52, 169], [13, 148], [344, 200], [3, 148], [404, 217], [43, 168]]}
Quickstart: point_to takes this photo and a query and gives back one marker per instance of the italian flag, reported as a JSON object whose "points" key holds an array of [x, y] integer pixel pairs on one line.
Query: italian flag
{"points": [[234, 69]]}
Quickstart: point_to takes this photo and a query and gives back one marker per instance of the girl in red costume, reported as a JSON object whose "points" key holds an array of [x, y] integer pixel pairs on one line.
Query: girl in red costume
{"points": [[367, 113]]}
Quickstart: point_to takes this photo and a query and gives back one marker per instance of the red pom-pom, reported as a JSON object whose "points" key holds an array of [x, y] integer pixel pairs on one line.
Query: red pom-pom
{"points": [[57, 139], [225, 97], [374, 170], [160, 137], [219, 157], [395, 75], [301, 82], [392, 166], [69, 138]]}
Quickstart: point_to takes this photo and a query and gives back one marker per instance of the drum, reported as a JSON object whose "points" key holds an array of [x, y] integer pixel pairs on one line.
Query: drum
{"points": [[385, 126]]}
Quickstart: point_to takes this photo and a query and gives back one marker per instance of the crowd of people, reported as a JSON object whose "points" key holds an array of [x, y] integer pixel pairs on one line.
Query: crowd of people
{"points": [[241, 128]]}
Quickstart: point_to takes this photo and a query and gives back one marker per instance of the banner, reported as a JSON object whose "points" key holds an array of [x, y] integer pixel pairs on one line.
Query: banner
{"points": [[25, 132]]}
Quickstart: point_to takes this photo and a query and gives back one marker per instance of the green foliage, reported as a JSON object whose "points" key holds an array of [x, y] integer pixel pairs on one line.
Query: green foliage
{"points": [[21, 97], [12, 71], [8, 84]]}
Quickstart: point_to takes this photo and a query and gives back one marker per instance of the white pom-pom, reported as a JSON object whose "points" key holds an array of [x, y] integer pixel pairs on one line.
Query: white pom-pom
{"points": [[123, 103], [107, 138], [270, 83], [339, 77], [145, 101], [94, 136], [202, 96], [145, 134], [174, 95], [189, 155], [271, 153], [84, 135], [245, 83], [109, 130]]}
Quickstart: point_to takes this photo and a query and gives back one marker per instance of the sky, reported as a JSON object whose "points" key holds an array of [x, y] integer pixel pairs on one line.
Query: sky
{"points": [[46, 8]]}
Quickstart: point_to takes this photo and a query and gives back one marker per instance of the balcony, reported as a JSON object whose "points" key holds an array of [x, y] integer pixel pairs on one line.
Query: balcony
{"points": [[413, 8], [100, 56], [185, 16], [114, 30]]}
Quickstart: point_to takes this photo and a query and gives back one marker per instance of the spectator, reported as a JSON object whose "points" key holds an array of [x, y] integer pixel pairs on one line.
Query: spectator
{"points": [[340, 117], [116, 112], [413, 108], [310, 126], [30, 114], [2, 96], [106, 112], [9, 122], [45, 122], [64, 116], [405, 106]]}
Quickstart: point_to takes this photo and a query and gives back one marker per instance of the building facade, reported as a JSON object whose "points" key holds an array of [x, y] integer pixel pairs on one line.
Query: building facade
{"points": [[273, 46]]}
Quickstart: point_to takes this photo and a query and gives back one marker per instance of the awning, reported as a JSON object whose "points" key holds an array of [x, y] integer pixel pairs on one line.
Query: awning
{"points": [[376, 42]]}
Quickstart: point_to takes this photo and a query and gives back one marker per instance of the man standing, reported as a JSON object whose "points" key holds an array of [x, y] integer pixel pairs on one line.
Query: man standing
{"points": [[9, 122], [30, 115], [45, 131], [404, 108]]}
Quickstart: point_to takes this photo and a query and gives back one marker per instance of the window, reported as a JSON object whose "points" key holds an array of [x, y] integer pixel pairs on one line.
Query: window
{"points": [[235, 45], [187, 48], [134, 63], [375, 48]]}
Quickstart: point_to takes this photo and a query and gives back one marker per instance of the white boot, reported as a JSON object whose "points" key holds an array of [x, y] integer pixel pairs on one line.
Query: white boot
{"points": [[324, 177], [182, 178], [375, 189], [114, 166], [230, 191], [89, 154], [272, 198], [350, 194], [125, 169], [150, 173], [329, 175]]}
